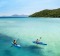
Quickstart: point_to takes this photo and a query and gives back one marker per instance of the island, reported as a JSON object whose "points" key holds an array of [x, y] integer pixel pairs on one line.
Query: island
{"points": [[14, 16], [47, 13]]}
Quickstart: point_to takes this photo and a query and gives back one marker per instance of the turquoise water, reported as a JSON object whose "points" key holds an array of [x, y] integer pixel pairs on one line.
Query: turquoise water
{"points": [[26, 30]]}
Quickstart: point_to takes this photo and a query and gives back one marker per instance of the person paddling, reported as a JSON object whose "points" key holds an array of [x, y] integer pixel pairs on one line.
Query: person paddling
{"points": [[14, 42], [38, 40]]}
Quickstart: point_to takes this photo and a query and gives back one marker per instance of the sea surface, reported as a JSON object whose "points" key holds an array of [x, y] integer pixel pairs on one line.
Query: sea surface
{"points": [[27, 30]]}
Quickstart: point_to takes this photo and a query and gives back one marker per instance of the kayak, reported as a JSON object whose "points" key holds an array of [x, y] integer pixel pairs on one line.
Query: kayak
{"points": [[41, 43], [18, 46]]}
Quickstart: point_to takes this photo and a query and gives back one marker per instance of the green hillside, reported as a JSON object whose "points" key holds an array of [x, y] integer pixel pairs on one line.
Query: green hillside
{"points": [[47, 13]]}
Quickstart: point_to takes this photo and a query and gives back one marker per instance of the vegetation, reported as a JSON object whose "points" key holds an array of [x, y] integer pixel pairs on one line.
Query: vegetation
{"points": [[47, 13]]}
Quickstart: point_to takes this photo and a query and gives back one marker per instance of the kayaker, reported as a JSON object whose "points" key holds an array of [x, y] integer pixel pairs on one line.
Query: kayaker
{"points": [[14, 42], [37, 41]]}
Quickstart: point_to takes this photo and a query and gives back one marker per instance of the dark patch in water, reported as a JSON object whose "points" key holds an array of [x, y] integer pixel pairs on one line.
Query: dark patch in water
{"points": [[5, 38], [35, 50], [50, 52], [5, 41], [7, 53], [34, 47]]}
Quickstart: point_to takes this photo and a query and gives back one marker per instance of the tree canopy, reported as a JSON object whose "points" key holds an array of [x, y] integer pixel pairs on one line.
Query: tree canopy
{"points": [[47, 13]]}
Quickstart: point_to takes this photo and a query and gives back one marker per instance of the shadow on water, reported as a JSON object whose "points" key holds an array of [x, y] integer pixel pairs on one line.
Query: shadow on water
{"points": [[4, 44], [35, 50], [5, 38], [51, 52], [35, 47], [7, 53]]}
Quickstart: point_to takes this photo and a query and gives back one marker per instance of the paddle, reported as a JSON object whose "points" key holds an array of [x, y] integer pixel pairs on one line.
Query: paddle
{"points": [[40, 37], [17, 40]]}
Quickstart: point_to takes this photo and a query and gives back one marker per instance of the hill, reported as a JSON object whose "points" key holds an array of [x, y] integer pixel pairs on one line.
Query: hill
{"points": [[14, 16], [47, 13]]}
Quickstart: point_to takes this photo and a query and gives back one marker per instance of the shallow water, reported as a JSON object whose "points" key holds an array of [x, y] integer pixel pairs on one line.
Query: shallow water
{"points": [[26, 30]]}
